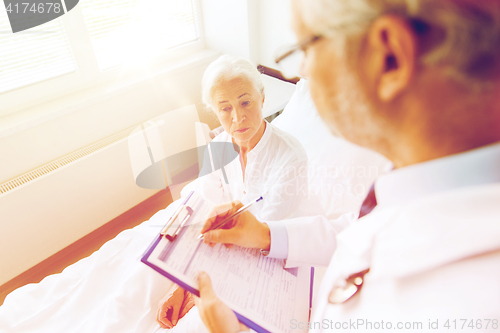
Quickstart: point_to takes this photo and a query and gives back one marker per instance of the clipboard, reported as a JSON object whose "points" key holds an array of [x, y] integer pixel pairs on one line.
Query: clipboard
{"points": [[178, 220], [163, 248]]}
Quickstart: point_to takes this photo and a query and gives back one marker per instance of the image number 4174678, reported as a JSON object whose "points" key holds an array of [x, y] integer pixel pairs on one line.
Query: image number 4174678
{"points": [[26, 14]]}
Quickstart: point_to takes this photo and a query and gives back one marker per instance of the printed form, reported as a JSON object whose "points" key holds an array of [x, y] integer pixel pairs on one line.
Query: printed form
{"points": [[254, 286]]}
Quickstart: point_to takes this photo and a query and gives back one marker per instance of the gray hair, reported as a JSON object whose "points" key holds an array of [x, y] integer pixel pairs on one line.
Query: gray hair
{"points": [[225, 68], [471, 46]]}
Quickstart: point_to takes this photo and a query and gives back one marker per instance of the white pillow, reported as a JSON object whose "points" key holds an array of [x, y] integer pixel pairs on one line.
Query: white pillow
{"points": [[340, 173]]}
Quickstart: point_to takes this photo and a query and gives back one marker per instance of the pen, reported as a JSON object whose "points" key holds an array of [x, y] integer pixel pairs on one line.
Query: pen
{"points": [[238, 212]]}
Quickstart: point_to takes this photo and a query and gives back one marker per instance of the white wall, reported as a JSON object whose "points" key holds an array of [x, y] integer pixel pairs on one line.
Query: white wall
{"points": [[275, 29], [252, 29], [226, 25]]}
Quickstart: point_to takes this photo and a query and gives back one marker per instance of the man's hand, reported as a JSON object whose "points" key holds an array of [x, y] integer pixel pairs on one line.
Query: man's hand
{"points": [[174, 306], [216, 316], [244, 230]]}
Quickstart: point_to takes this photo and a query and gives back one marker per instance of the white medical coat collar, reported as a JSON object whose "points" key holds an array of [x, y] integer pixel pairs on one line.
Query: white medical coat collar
{"points": [[438, 230], [474, 167], [444, 211]]}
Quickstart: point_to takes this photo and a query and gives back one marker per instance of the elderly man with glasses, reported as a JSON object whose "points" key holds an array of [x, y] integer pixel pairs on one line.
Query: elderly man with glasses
{"points": [[418, 81]]}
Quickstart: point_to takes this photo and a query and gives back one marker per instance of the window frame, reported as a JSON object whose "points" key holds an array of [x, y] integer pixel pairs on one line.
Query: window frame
{"points": [[88, 74]]}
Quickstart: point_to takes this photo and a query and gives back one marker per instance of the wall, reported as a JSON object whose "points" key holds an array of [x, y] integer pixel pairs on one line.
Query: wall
{"points": [[275, 29], [253, 29], [226, 25]]}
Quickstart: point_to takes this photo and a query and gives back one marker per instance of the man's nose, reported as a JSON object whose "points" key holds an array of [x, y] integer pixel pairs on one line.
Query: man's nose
{"points": [[303, 67]]}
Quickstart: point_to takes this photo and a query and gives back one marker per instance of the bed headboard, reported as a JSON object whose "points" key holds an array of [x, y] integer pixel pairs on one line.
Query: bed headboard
{"points": [[276, 74]]}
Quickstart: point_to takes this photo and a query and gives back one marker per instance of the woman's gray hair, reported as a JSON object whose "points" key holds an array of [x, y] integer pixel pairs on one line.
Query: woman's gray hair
{"points": [[471, 45], [225, 68]]}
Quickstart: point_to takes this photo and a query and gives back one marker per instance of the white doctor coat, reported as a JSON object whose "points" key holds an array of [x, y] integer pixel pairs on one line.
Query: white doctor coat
{"points": [[433, 249]]}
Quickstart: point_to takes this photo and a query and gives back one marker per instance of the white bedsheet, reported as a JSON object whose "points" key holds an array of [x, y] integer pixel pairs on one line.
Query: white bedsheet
{"points": [[110, 291]]}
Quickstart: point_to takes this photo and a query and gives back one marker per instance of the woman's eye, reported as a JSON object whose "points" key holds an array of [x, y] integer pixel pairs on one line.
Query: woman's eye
{"points": [[246, 103], [227, 109]]}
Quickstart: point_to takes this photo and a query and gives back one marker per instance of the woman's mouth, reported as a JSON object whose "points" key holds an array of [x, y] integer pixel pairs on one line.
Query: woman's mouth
{"points": [[242, 130]]}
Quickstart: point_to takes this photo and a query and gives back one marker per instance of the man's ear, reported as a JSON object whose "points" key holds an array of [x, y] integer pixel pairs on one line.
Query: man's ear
{"points": [[392, 48]]}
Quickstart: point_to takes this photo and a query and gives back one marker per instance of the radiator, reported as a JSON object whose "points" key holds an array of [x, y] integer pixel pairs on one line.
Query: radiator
{"points": [[60, 162]]}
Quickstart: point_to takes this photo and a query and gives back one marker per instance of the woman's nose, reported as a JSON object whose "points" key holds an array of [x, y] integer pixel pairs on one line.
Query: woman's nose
{"points": [[238, 115]]}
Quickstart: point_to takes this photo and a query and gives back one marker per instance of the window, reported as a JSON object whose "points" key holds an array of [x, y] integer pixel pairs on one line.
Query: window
{"points": [[38, 54], [131, 30], [91, 44]]}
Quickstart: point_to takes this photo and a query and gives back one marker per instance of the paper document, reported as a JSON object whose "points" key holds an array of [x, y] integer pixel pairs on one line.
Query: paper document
{"points": [[265, 296]]}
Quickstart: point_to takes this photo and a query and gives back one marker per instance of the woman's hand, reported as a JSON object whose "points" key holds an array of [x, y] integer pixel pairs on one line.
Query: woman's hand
{"points": [[174, 306], [216, 316], [244, 230]]}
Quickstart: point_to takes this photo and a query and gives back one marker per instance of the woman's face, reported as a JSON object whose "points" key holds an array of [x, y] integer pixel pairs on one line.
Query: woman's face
{"points": [[239, 107]]}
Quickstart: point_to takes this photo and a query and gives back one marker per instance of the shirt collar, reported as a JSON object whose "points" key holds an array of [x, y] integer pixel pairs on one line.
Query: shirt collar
{"points": [[262, 142], [474, 167]]}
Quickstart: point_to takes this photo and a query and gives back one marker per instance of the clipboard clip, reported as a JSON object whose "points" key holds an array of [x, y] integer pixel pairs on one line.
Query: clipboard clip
{"points": [[176, 222]]}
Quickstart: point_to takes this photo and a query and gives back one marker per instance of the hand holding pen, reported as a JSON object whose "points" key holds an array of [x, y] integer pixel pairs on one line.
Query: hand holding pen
{"points": [[229, 216], [232, 223]]}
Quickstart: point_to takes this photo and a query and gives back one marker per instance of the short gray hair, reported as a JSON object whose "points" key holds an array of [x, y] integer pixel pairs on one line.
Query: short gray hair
{"points": [[471, 46], [225, 68]]}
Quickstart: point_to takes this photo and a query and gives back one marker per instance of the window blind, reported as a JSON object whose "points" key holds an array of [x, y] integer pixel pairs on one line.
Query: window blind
{"points": [[34, 55], [133, 30]]}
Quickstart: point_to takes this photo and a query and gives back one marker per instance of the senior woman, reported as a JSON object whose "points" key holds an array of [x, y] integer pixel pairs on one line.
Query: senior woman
{"points": [[270, 163]]}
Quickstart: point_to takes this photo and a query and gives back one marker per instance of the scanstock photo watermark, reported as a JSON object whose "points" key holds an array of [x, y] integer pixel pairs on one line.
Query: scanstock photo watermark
{"points": [[27, 14], [452, 325]]}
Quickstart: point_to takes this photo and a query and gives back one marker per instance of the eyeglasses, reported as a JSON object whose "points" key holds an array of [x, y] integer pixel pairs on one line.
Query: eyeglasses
{"points": [[300, 46], [290, 58]]}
